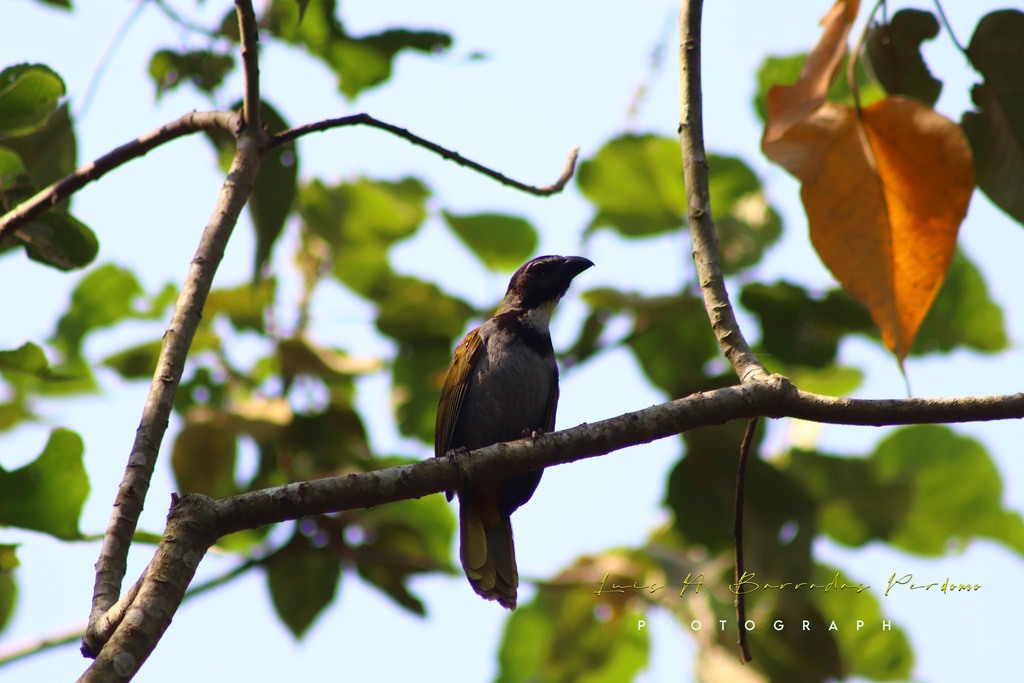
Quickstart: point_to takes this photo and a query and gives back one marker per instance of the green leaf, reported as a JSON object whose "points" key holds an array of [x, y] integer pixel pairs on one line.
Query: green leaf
{"points": [[244, 305], [786, 70], [893, 52], [670, 336], [413, 310], [636, 184], [779, 517], [502, 242], [563, 637], [59, 240], [49, 493], [28, 359], [49, 153], [856, 504], [274, 191], [28, 95], [303, 580], [359, 62], [204, 454], [299, 356], [276, 186], [746, 224], [963, 314], [8, 587], [11, 169], [996, 129], [360, 221], [924, 489], [417, 377], [868, 652], [106, 295], [326, 442], [202, 68], [405, 538], [799, 330]]}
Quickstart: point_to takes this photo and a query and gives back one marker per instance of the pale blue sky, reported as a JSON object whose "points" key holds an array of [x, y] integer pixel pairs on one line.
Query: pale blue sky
{"points": [[559, 74]]}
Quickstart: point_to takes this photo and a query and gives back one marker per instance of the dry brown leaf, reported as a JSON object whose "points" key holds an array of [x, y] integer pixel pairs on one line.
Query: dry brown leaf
{"points": [[884, 192], [788, 105], [885, 196]]}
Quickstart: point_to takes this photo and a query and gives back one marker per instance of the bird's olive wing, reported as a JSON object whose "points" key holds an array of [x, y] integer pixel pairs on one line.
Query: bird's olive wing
{"points": [[454, 391]]}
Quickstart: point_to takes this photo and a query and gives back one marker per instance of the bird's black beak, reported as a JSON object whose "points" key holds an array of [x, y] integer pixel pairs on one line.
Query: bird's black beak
{"points": [[574, 265]]}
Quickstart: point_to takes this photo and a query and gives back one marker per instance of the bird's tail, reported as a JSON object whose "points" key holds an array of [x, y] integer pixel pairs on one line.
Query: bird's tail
{"points": [[488, 556]]}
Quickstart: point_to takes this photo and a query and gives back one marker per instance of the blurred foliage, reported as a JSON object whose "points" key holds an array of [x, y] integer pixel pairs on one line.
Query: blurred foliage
{"points": [[288, 408]]}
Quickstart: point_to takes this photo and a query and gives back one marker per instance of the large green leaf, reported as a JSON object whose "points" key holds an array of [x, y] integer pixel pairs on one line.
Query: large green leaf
{"points": [[105, 296], [29, 93], [49, 153], [923, 489], [636, 184], [303, 579], [669, 337], [244, 305], [360, 221], [963, 314], [360, 62], [799, 330], [502, 242], [893, 51], [996, 129], [48, 494]]}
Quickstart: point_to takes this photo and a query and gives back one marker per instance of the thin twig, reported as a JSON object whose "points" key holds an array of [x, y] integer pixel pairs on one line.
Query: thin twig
{"points": [[367, 120], [250, 63], [737, 534], [112, 563], [949, 29], [851, 61], [702, 225], [106, 57], [42, 201]]}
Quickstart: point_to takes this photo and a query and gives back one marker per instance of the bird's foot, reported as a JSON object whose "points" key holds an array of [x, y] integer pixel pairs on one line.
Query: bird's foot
{"points": [[533, 434]]}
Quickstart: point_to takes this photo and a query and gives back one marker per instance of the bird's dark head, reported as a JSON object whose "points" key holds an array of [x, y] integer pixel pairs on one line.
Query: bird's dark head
{"points": [[540, 283]]}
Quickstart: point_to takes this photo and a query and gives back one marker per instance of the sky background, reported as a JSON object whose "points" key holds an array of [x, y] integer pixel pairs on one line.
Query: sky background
{"points": [[557, 75]]}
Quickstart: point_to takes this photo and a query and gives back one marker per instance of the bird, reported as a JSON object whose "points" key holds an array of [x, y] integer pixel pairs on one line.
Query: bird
{"points": [[502, 385]]}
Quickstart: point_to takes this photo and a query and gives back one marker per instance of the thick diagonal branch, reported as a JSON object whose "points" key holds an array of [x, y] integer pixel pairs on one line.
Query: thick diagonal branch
{"points": [[698, 201]]}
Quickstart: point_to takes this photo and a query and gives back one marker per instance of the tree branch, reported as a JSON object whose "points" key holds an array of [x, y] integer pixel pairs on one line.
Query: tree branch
{"points": [[698, 201], [195, 521], [250, 63], [367, 120], [41, 202], [237, 187]]}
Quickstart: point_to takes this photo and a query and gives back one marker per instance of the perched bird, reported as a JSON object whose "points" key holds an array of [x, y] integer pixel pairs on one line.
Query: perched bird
{"points": [[502, 384]]}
